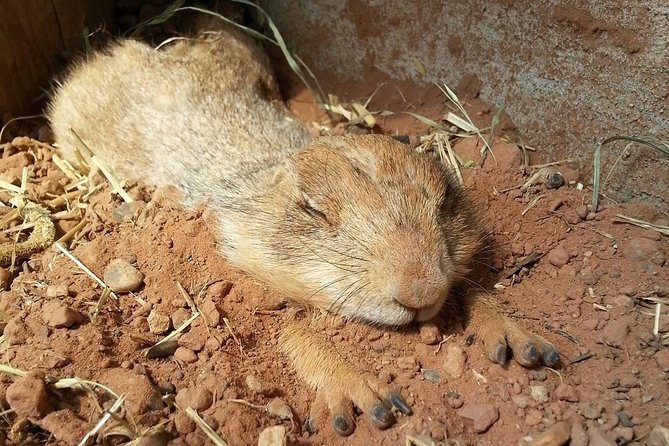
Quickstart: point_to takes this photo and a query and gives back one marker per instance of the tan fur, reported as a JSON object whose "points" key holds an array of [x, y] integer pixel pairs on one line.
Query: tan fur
{"points": [[360, 226]]}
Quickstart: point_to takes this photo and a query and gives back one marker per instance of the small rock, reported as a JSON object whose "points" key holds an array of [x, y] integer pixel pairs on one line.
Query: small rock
{"points": [[279, 408], [219, 290], [640, 249], [591, 411], [408, 363], [159, 323], [455, 402], [522, 401], [57, 315], [121, 276], [273, 436], [255, 385], [554, 180], [661, 357], [65, 426], [28, 398], [128, 211], [538, 375], [482, 416], [429, 334], [16, 332], [211, 313], [193, 340], [186, 355], [455, 360], [558, 257], [624, 301], [582, 211], [141, 395], [615, 333], [61, 290], [183, 423], [539, 394], [196, 397], [533, 417], [557, 435], [624, 419], [565, 392]]}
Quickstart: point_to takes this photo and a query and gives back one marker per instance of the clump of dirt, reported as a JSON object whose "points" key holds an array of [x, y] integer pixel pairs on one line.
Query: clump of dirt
{"points": [[581, 279]]}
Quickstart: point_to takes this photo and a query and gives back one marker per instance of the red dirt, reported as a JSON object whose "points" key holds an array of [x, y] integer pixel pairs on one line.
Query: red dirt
{"points": [[590, 295]]}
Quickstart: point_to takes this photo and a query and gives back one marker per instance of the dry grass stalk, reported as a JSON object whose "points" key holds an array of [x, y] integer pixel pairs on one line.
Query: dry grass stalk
{"points": [[85, 269], [40, 238], [213, 436], [234, 336], [155, 347], [642, 224]]}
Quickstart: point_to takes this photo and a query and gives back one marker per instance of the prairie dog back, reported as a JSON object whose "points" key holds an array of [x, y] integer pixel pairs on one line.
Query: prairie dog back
{"points": [[205, 108]]}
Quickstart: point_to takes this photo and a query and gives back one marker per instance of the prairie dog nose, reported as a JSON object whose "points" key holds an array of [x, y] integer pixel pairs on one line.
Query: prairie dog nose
{"points": [[414, 288]]}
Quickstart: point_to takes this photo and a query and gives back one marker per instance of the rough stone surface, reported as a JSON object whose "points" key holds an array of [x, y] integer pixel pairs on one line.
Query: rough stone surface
{"points": [[121, 276], [455, 360], [27, 396], [58, 315], [65, 426], [196, 397], [615, 333], [565, 392], [273, 436], [185, 355], [141, 395], [558, 257], [539, 394], [158, 323], [429, 334], [482, 416]]}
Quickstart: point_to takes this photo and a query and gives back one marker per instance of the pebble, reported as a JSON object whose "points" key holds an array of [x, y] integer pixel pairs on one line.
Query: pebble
{"points": [[272, 436], [522, 401], [279, 408], [57, 315], [65, 426], [126, 212], [16, 332], [159, 323], [61, 290], [211, 313], [539, 394], [183, 423], [533, 417], [186, 355], [121, 276], [538, 375], [661, 357], [482, 416], [615, 333], [641, 249], [255, 385], [455, 360], [565, 392], [554, 180], [557, 435], [582, 211], [196, 397], [28, 398], [408, 363], [558, 257], [455, 402], [591, 411], [624, 419], [192, 340], [429, 334], [141, 395]]}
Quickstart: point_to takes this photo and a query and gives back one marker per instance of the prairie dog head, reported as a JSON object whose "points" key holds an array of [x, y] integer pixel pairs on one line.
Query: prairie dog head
{"points": [[364, 227]]}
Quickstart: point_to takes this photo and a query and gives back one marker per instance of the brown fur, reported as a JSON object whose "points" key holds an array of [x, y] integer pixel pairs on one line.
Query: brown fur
{"points": [[360, 226]]}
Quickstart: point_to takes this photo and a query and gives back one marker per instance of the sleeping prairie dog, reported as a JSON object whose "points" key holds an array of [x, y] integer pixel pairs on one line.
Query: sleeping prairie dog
{"points": [[360, 226]]}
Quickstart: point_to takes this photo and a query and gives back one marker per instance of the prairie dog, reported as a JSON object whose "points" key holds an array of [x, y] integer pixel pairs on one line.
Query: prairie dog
{"points": [[360, 226]]}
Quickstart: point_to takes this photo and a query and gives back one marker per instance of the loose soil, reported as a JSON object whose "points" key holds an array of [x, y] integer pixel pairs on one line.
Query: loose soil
{"points": [[592, 292]]}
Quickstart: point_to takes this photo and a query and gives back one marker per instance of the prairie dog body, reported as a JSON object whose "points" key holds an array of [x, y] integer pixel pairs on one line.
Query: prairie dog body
{"points": [[361, 226]]}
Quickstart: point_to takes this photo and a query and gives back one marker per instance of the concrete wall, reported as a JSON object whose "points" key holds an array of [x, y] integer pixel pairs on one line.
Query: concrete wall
{"points": [[569, 73]]}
